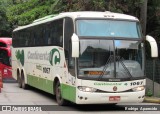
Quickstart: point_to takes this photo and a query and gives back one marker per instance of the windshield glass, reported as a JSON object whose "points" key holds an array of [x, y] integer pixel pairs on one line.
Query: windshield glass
{"points": [[104, 59], [5, 59], [129, 59], [108, 28]]}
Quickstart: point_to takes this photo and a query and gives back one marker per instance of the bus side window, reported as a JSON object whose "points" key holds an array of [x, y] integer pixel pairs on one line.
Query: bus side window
{"points": [[66, 56], [47, 33], [71, 63], [33, 37], [57, 32], [27, 36], [49, 40], [68, 32], [41, 36], [61, 41]]}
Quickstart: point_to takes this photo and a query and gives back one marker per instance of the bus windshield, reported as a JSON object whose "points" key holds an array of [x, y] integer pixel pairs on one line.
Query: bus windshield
{"points": [[111, 59], [108, 28], [5, 59]]}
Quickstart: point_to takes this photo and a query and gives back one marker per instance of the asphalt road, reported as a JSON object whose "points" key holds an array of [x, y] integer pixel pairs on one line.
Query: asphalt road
{"points": [[12, 95]]}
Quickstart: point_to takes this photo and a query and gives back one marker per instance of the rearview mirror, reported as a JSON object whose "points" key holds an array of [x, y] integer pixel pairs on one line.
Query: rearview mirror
{"points": [[153, 44], [75, 45]]}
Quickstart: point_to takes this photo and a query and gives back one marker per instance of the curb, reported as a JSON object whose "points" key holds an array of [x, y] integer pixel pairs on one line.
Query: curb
{"points": [[152, 100], [9, 80]]}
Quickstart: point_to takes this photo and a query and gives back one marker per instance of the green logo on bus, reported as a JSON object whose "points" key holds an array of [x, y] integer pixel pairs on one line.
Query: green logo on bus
{"points": [[54, 57], [20, 56]]}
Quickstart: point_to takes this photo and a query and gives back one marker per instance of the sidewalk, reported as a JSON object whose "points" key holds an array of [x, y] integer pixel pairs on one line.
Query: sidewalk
{"points": [[9, 80], [152, 100]]}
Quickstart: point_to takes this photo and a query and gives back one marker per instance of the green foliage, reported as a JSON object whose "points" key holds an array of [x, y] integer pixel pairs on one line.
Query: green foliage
{"points": [[149, 93], [25, 12], [31, 15], [4, 25], [153, 18]]}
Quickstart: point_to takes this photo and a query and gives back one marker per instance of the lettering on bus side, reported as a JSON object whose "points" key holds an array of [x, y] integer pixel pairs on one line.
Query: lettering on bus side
{"points": [[137, 83], [46, 70]]}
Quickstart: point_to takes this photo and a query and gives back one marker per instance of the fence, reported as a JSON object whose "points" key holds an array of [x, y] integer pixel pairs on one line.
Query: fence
{"points": [[153, 77]]}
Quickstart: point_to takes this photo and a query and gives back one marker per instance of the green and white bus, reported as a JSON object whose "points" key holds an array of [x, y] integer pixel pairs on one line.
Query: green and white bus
{"points": [[83, 57]]}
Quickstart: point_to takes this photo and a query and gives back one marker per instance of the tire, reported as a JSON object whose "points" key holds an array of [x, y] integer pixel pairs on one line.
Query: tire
{"points": [[58, 94], [19, 80], [24, 86]]}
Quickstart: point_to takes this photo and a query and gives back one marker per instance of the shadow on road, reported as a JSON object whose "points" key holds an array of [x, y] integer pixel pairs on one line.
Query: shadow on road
{"points": [[101, 107]]}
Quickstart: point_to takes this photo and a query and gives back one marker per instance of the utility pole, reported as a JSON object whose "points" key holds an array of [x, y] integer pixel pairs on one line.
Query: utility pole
{"points": [[143, 16], [143, 19]]}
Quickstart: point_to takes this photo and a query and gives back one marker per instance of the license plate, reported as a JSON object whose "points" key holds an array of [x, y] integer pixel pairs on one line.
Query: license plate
{"points": [[114, 98]]}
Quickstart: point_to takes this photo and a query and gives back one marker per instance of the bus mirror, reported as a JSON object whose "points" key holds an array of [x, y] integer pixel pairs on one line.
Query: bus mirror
{"points": [[153, 44], [75, 45]]}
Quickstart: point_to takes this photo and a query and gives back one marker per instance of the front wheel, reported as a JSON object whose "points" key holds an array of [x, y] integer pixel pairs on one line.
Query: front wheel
{"points": [[58, 93]]}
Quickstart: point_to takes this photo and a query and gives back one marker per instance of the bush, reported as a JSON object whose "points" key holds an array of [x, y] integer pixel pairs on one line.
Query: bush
{"points": [[149, 93]]}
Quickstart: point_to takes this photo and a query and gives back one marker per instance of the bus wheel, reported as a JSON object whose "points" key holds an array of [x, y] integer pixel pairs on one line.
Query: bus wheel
{"points": [[58, 93], [19, 80], [24, 86]]}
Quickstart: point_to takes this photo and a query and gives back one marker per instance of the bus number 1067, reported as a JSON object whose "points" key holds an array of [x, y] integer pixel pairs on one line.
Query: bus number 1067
{"points": [[46, 70]]}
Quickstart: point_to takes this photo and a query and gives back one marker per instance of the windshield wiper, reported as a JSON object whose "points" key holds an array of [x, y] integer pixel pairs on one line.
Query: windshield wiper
{"points": [[124, 66], [110, 59]]}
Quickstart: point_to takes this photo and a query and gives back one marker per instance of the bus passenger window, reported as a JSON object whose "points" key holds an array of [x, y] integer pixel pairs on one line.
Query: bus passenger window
{"points": [[72, 66], [71, 63], [66, 56]]}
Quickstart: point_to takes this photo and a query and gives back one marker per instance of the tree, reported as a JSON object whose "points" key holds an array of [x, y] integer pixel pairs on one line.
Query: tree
{"points": [[26, 12], [143, 16], [153, 19], [5, 29]]}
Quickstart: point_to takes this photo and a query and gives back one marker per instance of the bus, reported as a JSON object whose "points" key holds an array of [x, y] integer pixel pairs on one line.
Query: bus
{"points": [[83, 57], [5, 58]]}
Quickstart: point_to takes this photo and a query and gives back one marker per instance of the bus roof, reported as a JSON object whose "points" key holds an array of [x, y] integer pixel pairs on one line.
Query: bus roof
{"points": [[82, 14], [6, 40]]}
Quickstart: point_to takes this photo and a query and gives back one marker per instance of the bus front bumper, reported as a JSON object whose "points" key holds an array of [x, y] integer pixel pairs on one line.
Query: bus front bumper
{"points": [[106, 98]]}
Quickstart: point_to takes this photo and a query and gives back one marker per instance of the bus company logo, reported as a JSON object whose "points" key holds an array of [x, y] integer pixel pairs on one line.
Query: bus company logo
{"points": [[55, 57], [115, 88], [20, 56]]}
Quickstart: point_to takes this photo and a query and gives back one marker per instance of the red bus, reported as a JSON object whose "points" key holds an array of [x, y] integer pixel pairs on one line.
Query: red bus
{"points": [[5, 57]]}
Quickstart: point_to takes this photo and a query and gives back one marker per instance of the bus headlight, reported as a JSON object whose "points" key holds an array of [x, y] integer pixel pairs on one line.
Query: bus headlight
{"points": [[86, 89], [140, 88]]}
